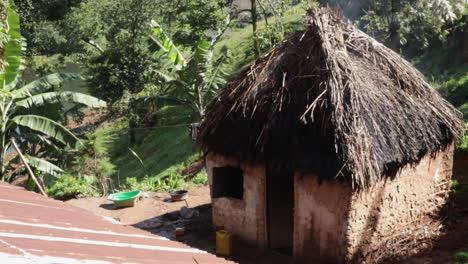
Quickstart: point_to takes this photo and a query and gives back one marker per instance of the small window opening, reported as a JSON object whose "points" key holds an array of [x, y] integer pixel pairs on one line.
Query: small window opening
{"points": [[228, 182]]}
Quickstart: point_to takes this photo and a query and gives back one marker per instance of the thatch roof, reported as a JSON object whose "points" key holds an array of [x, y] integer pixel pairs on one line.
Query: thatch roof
{"points": [[330, 100]]}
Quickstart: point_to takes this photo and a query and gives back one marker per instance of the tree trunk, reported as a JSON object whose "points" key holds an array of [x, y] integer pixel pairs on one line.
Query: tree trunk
{"points": [[131, 131], [253, 11], [12, 140], [131, 124], [394, 26], [2, 158]]}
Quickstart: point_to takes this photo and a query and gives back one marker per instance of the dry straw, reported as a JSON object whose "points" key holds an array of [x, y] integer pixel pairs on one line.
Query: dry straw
{"points": [[333, 101]]}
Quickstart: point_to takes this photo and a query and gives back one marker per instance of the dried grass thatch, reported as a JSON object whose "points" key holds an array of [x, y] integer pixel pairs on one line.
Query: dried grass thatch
{"points": [[330, 100]]}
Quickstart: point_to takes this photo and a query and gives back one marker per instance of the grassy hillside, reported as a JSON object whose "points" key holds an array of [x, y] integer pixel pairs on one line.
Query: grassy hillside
{"points": [[239, 40], [159, 155]]}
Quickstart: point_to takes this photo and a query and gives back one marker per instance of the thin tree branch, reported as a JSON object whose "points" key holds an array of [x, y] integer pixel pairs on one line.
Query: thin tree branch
{"points": [[27, 167]]}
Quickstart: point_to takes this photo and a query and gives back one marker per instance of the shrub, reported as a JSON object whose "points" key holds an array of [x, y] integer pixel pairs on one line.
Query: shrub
{"points": [[461, 257], [67, 187], [462, 148], [200, 179]]}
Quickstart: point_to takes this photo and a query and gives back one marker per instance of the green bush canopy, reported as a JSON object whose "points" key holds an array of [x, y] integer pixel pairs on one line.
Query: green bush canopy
{"points": [[333, 101]]}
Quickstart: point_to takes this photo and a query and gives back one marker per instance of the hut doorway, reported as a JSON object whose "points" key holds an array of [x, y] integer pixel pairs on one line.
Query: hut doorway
{"points": [[280, 209]]}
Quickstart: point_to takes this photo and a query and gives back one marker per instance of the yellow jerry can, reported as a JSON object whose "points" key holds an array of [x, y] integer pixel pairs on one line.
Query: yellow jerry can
{"points": [[223, 243]]}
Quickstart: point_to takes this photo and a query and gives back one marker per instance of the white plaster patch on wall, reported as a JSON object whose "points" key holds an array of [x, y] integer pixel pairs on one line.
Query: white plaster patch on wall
{"points": [[437, 175]]}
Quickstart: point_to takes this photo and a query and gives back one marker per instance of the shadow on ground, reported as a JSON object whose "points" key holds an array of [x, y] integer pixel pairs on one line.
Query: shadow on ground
{"points": [[199, 233]]}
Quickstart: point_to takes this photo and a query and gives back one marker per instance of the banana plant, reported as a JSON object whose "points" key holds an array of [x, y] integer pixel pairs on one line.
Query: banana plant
{"points": [[195, 81], [22, 113], [23, 109]]}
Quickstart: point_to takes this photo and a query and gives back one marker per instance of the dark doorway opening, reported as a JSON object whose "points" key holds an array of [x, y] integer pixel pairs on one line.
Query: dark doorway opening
{"points": [[280, 209]]}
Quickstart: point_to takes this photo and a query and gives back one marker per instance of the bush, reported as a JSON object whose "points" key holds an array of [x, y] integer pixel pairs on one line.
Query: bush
{"points": [[67, 187], [200, 179], [461, 257], [462, 148], [92, 160], [458, 90], [464, 110]]}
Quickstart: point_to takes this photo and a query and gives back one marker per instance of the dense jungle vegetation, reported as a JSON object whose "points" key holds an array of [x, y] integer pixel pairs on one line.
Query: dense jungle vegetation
{"points": [[144, 70]]}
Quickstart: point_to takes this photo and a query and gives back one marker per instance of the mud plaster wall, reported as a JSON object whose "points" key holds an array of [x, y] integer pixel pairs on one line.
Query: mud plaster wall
{"points": [[320, 215], [337, 225], [244, 218], [406, 209]]}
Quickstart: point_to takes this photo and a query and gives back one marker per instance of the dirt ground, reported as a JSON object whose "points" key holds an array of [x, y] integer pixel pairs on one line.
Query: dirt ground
{"points": [[154, 205], [157, 214]]}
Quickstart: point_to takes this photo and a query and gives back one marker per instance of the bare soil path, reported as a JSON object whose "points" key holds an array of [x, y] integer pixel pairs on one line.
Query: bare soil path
{"points": [[154, 205]]}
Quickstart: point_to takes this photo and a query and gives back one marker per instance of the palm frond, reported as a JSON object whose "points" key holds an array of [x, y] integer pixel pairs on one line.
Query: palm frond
{"points": [[57, 97], [13, 50], [48, 127], [43, 165], [164, 43], [44, 84], [159, 100]]}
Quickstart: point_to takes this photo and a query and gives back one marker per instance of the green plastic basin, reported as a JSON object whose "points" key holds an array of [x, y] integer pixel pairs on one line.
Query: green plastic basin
{"points": [[124, 199]]}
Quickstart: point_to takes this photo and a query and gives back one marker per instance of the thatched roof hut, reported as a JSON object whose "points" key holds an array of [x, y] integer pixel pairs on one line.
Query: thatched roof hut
{"points": [[333, 101]]}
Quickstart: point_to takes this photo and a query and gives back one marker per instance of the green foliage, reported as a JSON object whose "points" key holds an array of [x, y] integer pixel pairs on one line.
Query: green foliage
{"points": [[189, 22], [460, 258], [44, 26], [158, 158], [464, 110], [200, 179], [164, 43], [44, 166], [458, 89], [11, 46], [196, 81], [114, 36], [276, 16], [32, 112], [25, 112], [462, 148], [92, 159], [460, 192], [450, 80], [238, 42], [68, 187], [396, 22]]}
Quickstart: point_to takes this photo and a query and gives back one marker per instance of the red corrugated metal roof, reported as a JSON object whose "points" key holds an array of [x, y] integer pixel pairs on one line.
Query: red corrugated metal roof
{"points": [[35, 229]]}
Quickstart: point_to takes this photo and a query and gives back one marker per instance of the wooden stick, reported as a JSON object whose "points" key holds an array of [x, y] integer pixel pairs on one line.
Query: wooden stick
{"points": [[27, 167]]}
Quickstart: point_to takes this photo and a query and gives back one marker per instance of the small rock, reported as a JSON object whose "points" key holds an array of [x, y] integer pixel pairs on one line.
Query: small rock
{"points": [[166, 234], [151, 224], [172, 216], [188, 213]]}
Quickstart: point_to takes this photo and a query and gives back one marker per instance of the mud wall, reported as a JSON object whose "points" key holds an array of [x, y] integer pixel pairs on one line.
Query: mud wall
{"points": [[244, 218], [395, 218], [398, 217], [320, 214]]}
